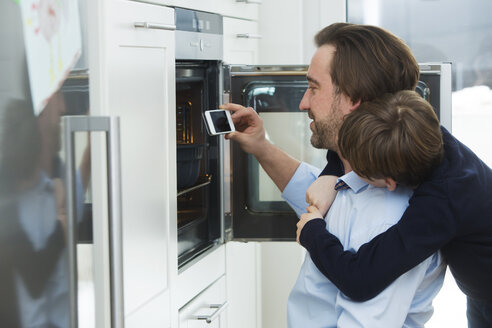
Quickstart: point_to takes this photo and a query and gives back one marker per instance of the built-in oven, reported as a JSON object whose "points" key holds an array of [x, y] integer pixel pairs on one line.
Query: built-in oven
{"points": [[223, 193], [198, 71]]}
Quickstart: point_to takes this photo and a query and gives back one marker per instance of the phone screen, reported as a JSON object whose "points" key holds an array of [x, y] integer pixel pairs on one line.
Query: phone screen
{"points": [[220, 121]]}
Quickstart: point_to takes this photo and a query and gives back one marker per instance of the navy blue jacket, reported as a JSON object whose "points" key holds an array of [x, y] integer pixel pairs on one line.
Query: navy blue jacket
{"points": [[451, 211]]}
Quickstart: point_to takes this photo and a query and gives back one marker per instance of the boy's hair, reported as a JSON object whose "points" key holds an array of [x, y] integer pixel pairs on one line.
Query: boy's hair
{"points": [[369, 61], [396, 136]]}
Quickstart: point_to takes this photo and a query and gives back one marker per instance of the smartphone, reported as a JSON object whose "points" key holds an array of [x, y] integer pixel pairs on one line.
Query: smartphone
{"points": [[218, 121]]}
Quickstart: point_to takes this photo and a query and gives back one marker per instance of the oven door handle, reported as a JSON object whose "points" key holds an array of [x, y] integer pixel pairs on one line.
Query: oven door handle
{"points": [[155, 26]]}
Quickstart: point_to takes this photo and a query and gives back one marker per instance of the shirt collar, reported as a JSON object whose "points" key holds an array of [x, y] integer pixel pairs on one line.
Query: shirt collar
{"points": [[353, 181]]}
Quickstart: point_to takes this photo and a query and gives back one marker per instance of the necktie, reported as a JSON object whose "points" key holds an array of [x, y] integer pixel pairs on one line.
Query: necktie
{"points": [[341, 185]]}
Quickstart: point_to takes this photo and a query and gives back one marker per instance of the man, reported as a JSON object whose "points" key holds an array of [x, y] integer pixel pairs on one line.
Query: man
{"points": [[451, 210]]}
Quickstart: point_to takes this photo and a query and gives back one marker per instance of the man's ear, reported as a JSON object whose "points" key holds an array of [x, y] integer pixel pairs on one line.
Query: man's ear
{"points": [[354, 105], [390, 184]]}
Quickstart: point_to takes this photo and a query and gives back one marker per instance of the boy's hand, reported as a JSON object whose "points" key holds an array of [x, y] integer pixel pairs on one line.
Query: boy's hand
{"points": [[321, 193], [312, 213]]}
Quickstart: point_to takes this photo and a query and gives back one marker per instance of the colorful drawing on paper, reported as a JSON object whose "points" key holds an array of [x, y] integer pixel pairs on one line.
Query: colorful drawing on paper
{"points": [[52, 40]]}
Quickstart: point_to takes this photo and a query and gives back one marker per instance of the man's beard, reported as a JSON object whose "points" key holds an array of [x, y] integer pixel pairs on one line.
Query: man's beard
{"points": [[325, 132], [324, 135]]}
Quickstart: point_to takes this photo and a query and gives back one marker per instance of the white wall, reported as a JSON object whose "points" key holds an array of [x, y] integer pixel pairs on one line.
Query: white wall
{"points": [[288, 28]]}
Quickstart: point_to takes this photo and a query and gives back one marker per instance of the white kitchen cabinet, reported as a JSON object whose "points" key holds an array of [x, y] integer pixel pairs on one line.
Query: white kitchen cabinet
{"points": [[197, 277], [230, 8], [135, 81], [245, 9], [208, 309], [208, 5], [241, 41], [243, 277]]}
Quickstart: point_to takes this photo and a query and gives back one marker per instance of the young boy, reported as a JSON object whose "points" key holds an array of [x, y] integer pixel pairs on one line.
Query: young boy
{"points": [[388, 146]]}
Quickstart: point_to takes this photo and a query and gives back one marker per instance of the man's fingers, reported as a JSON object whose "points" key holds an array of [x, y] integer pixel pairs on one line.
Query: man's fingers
{"points": [[232, 107]]}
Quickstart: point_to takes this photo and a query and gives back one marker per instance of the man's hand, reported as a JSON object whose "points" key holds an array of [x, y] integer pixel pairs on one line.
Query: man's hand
{"points": [[250, 133], [312, 213], [321, 193]]}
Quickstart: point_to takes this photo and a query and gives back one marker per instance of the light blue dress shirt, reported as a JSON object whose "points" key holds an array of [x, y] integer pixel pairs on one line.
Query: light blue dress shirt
{"points": [[356, 216]]}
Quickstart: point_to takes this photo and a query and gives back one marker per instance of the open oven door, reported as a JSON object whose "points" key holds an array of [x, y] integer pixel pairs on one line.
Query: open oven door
{"points": [[254, 208]]}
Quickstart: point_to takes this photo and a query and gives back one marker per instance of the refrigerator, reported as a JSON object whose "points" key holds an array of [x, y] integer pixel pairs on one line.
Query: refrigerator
{"points": [[61, 266]]}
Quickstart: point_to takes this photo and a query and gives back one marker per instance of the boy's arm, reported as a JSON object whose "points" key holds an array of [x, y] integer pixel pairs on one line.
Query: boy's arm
{"points": [[312, 213], [424, 228], [321, 193]]}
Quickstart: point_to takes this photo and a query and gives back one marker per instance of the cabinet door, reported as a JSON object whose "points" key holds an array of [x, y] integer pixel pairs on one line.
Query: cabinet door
{"points": [[241, 41], [141, 91], [247, 9]]}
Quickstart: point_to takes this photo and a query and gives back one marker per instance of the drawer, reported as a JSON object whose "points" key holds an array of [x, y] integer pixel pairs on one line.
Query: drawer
{"points": [[208, 309], [200, 275]]}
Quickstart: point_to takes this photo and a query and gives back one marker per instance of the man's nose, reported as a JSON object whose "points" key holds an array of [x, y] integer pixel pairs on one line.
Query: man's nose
{"points": [[304, 104]]}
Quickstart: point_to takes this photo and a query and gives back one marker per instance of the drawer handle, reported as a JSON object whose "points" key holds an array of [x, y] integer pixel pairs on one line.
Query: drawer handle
{"points": [[154, 26], [219, 309], [250, 1], [249, 36]]}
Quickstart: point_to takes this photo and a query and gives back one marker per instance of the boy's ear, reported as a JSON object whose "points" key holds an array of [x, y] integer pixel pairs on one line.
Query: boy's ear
{"points": [[390, 184]]}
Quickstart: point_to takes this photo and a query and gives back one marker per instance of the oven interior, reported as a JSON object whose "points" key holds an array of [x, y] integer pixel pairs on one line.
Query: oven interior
{"points": [[197, 155]]}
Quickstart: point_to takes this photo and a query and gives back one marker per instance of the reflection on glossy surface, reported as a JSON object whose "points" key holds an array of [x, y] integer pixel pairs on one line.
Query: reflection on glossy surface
{"points": [[277, 103], [34, 274]]}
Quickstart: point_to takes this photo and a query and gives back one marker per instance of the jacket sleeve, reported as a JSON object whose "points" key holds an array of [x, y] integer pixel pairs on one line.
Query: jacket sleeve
{"points": [[424, 228]]}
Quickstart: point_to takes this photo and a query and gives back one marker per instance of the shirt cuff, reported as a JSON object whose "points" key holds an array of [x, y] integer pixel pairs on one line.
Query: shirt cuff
{"points": [[295, 191]]}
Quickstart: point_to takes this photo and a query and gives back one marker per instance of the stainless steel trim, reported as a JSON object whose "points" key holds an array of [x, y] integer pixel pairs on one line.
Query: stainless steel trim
{"points": [[259, 70], [430, 67], [115, 224], [155, 26], [198, 46], [110, 125], [71, 218], [446, 117], [249, 36], [250, 1], [219, 309], [221, 183], [443, 69]]}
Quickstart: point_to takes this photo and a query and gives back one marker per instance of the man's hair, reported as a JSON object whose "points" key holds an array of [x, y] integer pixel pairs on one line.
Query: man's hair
{"points": [[396, 136], [369, 61]]}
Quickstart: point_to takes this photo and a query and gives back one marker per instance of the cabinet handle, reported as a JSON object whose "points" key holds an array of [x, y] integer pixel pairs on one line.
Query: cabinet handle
{"points": [[219, 309], [154, 26], [249, 36], [250, 1]]}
